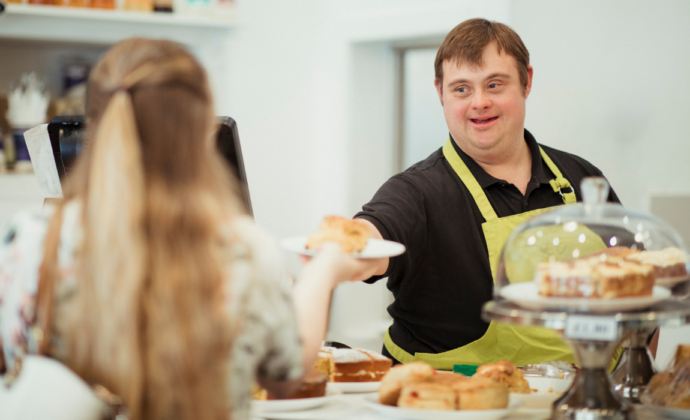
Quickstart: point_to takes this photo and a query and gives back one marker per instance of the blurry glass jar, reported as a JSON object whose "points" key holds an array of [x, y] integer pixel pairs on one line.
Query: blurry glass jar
{"points": [[139, 5], [73, 3], [103, 4]]}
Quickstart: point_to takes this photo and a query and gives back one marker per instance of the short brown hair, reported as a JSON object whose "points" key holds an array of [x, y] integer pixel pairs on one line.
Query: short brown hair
{"points": [[467, 41]]}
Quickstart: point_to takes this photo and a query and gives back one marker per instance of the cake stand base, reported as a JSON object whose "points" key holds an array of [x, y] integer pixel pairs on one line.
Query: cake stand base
{"points": [[590, 398]]}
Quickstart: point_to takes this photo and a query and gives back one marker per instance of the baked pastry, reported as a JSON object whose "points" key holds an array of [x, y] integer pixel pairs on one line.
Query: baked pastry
{"points": [[669, 262], [259, 393], [352, 365], [506, 373], [480, 393], [595, 277], [449, 378], [428, 396], [350, 234], [401, 375]]}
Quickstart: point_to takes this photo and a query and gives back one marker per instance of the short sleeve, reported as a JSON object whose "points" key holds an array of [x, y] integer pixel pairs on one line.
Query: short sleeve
{"points": [[398, 210], [21, 254], [267, 341]]}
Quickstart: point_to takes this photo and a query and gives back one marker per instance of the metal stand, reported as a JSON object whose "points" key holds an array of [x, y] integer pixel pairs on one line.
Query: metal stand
{"points": [[594, 338], [635, 367]]}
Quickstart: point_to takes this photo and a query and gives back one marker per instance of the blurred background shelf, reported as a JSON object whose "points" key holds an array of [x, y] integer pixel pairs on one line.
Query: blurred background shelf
{"points": [[95, 26]]}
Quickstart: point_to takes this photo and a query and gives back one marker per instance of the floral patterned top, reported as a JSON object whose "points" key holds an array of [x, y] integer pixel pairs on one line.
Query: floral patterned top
{"points": [[259, 302]]}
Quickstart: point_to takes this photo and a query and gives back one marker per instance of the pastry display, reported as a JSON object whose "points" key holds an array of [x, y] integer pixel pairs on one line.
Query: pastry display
{"points": [[350, 234], [352, 365], [612, 273], [672, 387], [506, 373], [418, 385], [598, 276], [669, 262]]}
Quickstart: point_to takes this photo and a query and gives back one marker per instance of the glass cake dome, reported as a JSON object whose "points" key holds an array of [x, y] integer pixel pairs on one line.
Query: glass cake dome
{"points": [[594, 256]]}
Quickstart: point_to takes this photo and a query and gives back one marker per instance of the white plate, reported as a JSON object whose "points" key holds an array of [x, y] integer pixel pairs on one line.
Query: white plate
{"points": [[547, 385], [670, 281], [335, 408], [354, 387], [273, 406], [376, 248], [545, 391], [372, 401], [527, 296]]}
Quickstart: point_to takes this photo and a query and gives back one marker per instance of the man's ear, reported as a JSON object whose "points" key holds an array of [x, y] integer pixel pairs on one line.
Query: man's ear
{"points": [[439, 89], [530, 73]]}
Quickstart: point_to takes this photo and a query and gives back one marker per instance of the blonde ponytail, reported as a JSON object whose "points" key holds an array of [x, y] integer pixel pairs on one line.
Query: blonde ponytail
{"points": [[115, 244]]}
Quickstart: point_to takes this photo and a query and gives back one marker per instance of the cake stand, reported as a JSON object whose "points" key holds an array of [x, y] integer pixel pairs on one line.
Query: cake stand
{"points": [[593, 338]]}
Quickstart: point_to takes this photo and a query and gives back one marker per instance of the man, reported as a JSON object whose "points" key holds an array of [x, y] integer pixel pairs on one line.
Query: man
{"points": [[455, 209]]}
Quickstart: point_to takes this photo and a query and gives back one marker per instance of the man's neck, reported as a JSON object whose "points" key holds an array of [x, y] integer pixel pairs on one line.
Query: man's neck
{"points": [[512, 164]]}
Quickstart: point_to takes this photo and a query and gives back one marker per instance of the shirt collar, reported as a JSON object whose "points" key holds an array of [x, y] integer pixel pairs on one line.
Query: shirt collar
{"points": [[485, 180]]}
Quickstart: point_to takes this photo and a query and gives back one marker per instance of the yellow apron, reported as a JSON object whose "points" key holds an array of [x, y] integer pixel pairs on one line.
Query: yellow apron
{"points": [[520, 345]]}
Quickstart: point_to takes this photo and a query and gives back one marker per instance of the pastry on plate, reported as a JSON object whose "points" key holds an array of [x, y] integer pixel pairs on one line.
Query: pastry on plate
{"points": [[350, 234], [430, 396], [506, 373], [401, 375], [480, 393]]}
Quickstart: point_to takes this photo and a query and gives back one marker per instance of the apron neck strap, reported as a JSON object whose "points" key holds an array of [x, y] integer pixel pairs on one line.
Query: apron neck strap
{"points": [[478, 193], [469, 180], [559, 183]]}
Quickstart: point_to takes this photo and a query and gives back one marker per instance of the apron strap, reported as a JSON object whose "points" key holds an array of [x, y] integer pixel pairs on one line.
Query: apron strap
{"points": [[470, 182], [559, 183]]}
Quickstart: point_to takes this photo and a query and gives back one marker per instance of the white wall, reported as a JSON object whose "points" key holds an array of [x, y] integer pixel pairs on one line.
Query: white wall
{"points": [[611, 85]]}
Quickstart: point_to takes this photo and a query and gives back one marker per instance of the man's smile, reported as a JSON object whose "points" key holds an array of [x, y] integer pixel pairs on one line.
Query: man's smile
{"points": [[483, 122]]}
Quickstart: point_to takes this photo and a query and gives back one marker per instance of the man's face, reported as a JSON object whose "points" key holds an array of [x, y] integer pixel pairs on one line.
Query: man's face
{"points": [[484, 107]]}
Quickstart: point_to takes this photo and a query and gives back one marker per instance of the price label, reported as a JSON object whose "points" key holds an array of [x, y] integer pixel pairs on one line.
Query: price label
{"points": [[600, 328]]}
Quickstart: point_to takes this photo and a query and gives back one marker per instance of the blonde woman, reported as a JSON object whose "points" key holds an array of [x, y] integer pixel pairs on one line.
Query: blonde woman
{"points": [[164, 290]]}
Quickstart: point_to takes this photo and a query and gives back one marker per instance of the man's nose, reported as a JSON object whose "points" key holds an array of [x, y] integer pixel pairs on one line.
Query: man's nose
{"points": [[481, 100]]}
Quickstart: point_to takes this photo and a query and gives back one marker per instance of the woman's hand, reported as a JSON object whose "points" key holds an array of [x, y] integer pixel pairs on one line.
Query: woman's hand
{"points": [[342, 267]]}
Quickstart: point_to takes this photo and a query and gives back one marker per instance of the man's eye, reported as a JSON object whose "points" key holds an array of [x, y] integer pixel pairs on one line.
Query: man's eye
{"points": [[462, 90], [493, 85]]}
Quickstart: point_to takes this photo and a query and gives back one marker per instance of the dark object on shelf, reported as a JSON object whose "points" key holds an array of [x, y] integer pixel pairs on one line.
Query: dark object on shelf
{"points": [[67, 141]]}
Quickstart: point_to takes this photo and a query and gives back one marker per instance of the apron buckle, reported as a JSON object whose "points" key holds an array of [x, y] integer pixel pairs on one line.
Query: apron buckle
{"points": [[572, 191]]}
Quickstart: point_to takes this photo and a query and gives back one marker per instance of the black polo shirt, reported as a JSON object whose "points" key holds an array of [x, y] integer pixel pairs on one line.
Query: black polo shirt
{"points": [[444, 278]]}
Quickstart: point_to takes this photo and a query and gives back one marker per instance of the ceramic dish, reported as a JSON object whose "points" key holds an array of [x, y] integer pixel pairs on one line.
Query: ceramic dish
{"points": [[526, 295], [375, 248]]}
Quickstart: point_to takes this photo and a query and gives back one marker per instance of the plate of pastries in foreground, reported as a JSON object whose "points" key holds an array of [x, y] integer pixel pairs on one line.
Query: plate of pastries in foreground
{"points": [[311, 393], [417, 391], [352, 370], [352, 235], [615, 279], [668, 392]]}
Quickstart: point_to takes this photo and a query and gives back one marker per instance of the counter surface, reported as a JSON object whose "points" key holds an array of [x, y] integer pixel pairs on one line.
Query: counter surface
{"points": [[352, 407]]}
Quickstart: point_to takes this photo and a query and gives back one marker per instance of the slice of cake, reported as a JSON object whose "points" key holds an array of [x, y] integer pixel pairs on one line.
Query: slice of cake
{"points": [[667, 263], [597, 276], [350, 234], [352, 365], [428, 396]]}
